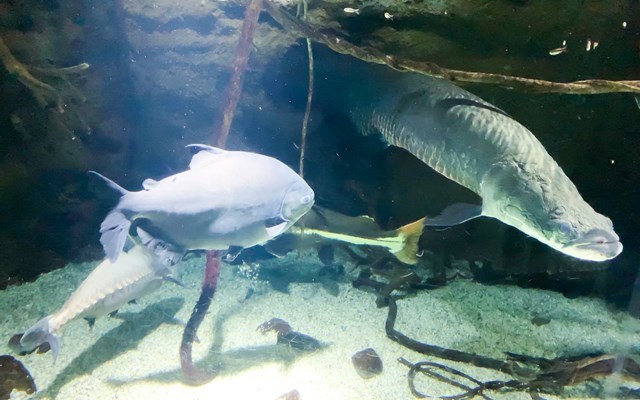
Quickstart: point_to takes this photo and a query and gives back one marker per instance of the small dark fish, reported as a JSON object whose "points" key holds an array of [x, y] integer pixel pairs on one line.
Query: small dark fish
{"points": [[287, 336], [325, 226], [14, 376]]}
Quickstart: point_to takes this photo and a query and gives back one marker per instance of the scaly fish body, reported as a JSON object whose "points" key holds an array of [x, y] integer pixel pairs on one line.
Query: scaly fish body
{"points": [[360, 231], [107, 288], [480, 147]]}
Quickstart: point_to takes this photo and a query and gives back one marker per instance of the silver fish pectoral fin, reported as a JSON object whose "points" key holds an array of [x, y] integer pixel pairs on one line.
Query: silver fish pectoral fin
{"points": [[455, 214], [114, 231]]}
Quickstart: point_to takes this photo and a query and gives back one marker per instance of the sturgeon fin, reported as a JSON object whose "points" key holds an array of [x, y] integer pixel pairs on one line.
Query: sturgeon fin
{"points": [[167, 254], [452, 102], [410, 234], [114, 232], [113, 313], [455, 214], [91, 322], [110, 183], [232, 253], [39, 334], [204, 154]]}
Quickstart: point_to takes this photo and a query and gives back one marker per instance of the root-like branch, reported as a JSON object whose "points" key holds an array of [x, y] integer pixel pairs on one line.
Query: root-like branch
{"points": [[340, 45]]}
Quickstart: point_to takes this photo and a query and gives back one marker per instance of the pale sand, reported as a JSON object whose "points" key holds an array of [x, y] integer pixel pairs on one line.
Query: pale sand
{"points": [[136, 357]]}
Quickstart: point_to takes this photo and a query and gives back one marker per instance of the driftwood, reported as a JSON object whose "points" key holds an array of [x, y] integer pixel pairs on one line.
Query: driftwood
{"points": [[340, 45], [193, 374], [51, 87], [531, 374]]}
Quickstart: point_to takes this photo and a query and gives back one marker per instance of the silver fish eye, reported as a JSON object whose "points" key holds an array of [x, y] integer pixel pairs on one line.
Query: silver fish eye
{"points": [[564, 228], [305, 199]]}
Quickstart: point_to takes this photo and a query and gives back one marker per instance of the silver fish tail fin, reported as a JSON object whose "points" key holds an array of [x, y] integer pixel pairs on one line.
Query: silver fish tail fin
{"points": [[410, 235], [114, 231], [110, 183], [39, 334]]}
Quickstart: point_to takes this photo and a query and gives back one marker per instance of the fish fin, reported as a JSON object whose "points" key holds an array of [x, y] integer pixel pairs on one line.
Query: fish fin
{"points": [[167, 254], [452, 102], [636, 97], [173, 280], [232, 253], [114, 230], [91, 322], [204, 154], [455, 214], [115, 312], [273, 231], [110, 183], [39, 334], [149, 183], [410, 234], [134, 301]]}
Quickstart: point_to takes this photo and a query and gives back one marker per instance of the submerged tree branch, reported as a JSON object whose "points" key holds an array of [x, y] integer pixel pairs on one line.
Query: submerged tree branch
{"points": [[193, 374], [243, 49], [339, 45], [44, 93]]}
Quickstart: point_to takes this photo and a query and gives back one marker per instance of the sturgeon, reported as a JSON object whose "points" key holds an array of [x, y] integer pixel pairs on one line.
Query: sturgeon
{"points": [[479, 146], [226, 200], [107, 288]]}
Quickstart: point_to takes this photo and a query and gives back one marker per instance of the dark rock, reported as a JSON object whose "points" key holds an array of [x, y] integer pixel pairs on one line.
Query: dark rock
{"points": [[367, 363], [13, 375]]}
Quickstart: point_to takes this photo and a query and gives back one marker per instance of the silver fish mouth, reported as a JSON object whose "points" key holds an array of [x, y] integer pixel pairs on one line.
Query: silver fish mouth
{"points": [[596, 245]]}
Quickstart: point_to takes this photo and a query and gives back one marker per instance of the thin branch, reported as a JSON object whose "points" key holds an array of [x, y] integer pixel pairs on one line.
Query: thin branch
{"points": [[243, 49], [340, 45]]}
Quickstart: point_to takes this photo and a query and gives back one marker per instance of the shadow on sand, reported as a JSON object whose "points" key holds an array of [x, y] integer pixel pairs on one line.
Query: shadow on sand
{"points": [[118, 340]]}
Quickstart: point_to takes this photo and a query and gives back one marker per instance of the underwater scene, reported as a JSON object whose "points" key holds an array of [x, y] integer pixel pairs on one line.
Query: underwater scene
{"points": [[302, 199]]}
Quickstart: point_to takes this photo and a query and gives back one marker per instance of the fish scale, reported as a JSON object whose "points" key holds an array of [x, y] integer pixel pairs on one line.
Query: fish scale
{"points": [[107, 288], [477, 145]]}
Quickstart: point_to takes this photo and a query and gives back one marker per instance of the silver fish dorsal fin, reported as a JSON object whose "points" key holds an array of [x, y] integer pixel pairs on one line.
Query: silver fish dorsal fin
{"points": [[149, 183], [205, 154]]}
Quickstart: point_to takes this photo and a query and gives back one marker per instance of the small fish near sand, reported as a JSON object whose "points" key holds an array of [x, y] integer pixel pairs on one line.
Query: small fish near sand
{"points": [[226, 200], [477, 145], [106, 289], [324, 225]]}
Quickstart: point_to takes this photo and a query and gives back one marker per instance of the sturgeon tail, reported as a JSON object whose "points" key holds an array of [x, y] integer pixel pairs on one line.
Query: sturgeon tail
{"points": [[410, 235], [39, 334]]}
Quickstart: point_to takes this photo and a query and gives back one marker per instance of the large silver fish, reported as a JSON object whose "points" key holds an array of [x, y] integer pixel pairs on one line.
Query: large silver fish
{"points": [[478, 146], [227, 199], [106, 289]]}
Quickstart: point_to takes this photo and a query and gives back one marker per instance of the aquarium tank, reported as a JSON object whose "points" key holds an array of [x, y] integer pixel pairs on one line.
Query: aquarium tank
{"points": [[301, 199]]}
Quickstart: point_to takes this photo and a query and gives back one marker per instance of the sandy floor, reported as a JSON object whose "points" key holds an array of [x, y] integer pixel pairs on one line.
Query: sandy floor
{"points": [[135, 355]]}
